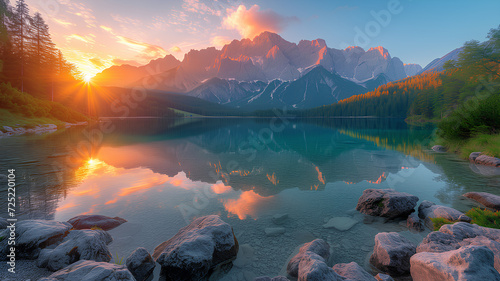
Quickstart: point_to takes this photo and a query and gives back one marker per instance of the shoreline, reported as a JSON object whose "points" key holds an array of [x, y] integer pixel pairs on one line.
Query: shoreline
{"points": [[8, 131]]}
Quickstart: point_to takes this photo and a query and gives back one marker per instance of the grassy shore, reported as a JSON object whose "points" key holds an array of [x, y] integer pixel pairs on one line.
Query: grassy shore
{"points": [[487, 144], [17, 120]]}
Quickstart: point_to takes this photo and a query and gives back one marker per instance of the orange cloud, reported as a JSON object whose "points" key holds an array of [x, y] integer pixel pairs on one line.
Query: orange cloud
{"points": [[175, 49], [220, 188], [86, 39], [147, 51], [251, 22], [247, 205], [63, 22], [220, 41], [129, 62]]}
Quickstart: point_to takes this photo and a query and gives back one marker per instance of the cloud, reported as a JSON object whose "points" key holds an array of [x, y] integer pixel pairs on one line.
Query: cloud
{"points": [[197, 6], [220, 41], [129, 62], [251, 22], [97, 62], [86, 39], [107, 28], [175, 49], [63, 22], [147, 51]]}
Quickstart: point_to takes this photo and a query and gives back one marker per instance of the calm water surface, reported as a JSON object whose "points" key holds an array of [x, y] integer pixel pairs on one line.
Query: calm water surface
{"points": [[160, 173]]}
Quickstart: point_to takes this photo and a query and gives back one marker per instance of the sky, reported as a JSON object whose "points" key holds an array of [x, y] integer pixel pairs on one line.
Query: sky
{"points": [[96, 34]]}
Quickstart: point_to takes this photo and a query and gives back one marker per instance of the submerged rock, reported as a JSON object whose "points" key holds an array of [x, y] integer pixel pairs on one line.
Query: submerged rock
{"points": [[317, 246], [487, 160], [32, 236], [197, 249], [274, 231], [341, 223], [77, 245], [386, 203], [428, 210], [140, 264], [280, 219], [312, 267], [439, 148], [486, 199], [90, 270], [352, 271], [392, 253], [89, 221], [466, 263]]}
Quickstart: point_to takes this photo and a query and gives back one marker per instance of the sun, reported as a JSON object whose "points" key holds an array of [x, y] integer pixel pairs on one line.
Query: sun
{"points": [[87, 78]]}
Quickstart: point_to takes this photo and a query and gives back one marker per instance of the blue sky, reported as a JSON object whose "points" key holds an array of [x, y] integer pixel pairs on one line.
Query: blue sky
{"points": [[95, 34]]}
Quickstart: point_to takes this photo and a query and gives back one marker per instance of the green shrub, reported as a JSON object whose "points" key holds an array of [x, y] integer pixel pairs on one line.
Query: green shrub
{"points": [[484, 217], [438, 222]]}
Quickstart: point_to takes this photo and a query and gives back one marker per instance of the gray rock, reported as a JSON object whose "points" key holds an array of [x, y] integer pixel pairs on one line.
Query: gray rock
{"points": [[392, 253], [474, 155], [91, 271], [32, 236], [280, 219], [487, 160], [439, 148], [428, 210], [77, 245], [197, 249], [89, 221], [352, 271], [438, 242], [317, 246], [386, 203], [466, 263], [274, 231], [140, 264], [312, 267], [414, 223], [277, 278], [462, 230], [383, 277], [464, 218], [341, 223], [486, 199]]}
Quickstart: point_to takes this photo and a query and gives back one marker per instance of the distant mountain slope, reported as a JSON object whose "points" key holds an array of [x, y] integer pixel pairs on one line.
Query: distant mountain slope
{"points": [[412, 69], [317, 87], [437, 64], [224, 91]]}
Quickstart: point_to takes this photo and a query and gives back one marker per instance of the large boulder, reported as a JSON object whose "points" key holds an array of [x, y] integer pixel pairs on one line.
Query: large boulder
{"points": [[77, 245], [486, 199], [352, 271], [428, 210], [473, 156], [140, 264], [312, 267], [414, 223], [90, 221], [466, 263], [32, 236], [277, 278], [487, 160], [318, 247], [197, 249], [90, 270], [392, 253], [386, 203]]}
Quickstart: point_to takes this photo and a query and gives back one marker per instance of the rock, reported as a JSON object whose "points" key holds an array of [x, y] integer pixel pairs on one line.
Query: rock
{"points": [[474, 155], [414, 223], [340, 223], [140, 264], [464, 218], [383, 277], [439, 148], [317, 246], [486, 199], [438, 242], [90, 270], [492, 245], [77, 245], [392, 253], [312, 267], [197, 249], [274, 231], [8, 129], [428, 210], [32, 236], [487, 160], [352, 271], [277, 278], [3, 223], [280, 219], [466, 263], [386, 203], [462, 230], [89, 221]]}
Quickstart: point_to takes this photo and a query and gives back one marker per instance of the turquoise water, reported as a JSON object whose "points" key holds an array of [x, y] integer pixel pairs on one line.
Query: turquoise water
{"points": [[160, 173]]}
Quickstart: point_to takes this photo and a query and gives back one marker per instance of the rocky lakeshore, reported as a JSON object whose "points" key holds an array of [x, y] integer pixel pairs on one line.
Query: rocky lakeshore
{"points": [[207, 247], [7, 131]]}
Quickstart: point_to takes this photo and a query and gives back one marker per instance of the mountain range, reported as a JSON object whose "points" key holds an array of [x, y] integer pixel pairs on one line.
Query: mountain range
{"points": [[266, 72]]}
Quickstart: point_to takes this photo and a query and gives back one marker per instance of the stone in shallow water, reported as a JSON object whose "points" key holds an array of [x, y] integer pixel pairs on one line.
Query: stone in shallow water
{"points": [[317, 246], [275, 231], [280, 218], [428, 210], [439, 148], [90, 270], [486, 199], [352, 271], [341, 223], [392, 253], [89, 221], [140, 264], [466, 263], [386, 203]]}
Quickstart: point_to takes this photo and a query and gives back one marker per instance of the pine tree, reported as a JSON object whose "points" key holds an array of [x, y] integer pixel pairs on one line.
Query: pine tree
{"points": [[20, 33]]}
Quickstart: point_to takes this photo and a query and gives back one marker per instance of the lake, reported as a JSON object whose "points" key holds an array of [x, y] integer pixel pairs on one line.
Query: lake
{"points": [[159, 174]]}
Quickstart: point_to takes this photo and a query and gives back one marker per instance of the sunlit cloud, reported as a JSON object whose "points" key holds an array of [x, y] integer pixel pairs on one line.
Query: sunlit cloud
{"points": [[220, 188], [63, 22], [197, 6], [86, 39], [97, 62], [106, 28], [220, 41], [147, 51], [129, 62], [126, 20], [175, 49], [251, 22], [247, 205]]}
